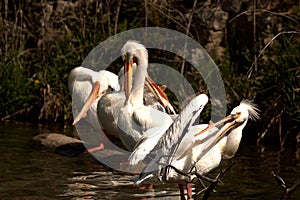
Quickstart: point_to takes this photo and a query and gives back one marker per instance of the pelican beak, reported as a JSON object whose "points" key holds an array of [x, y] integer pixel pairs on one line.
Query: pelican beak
{"points": [[159, 93], [211, 124], [128, 75], [93, 96], [224, 131]]}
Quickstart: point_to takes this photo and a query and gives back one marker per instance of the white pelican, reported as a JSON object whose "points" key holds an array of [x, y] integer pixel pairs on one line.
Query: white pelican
{"points": [[200, 146], [135, 118], [86, 87], [82, 82], [111, 103]]}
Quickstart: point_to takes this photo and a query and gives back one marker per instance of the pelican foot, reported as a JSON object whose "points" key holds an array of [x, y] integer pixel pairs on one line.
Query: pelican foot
{"points": [[97, 148], [181, 190], [189, 188]]}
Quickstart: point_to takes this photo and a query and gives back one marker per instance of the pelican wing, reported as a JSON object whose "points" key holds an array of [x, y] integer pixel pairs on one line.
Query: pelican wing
{"points": [[108, 108], [148, 118], [77, 75], [112, 80], [147, 143], [168, 141], [188, 141]]}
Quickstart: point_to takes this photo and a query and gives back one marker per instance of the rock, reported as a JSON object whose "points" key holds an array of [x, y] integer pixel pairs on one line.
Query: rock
{"points": [[213, 45], [59, 143], [220, 19], [213, 18], [215, 37]]}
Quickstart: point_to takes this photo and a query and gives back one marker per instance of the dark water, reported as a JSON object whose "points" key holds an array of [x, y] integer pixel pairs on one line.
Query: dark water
{"points": [[33, 173]]}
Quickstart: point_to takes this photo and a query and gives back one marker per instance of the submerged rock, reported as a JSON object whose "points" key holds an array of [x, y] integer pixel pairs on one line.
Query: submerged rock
{"points": [[59, 143]]}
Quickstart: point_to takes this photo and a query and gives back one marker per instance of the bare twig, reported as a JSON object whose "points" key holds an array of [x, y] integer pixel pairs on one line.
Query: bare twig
{"points": [[237, 96], [95, 23], [146, 18], [280, 133], [6, 32], [207, 191], [267, 45], [260, 11], [158, 9], [187, 30], [286, 191], [108, 6], [273, 120], [254, 35], [19, 112], [117, 15], [146, 13]]}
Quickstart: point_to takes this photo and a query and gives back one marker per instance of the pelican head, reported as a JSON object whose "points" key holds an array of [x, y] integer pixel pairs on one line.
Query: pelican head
{"points": [[135, 56], [246, 110], [98, 81], [134, 52], [239, 116], [233, 127]]}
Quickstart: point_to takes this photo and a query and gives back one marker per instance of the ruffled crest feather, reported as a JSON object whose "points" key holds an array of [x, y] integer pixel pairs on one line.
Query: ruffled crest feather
{"points": [[252, 109]]}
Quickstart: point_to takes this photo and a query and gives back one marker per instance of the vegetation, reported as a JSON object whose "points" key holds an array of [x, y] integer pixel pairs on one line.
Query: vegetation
{"points": [[41, 41]]}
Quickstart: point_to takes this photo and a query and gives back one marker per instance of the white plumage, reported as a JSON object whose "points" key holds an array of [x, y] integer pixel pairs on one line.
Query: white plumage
{"points": [[202, 146], [81, 82], [135, 118]]}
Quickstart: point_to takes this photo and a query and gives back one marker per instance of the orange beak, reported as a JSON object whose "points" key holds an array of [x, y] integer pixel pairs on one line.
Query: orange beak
{"points": [[154, 88], [160, 94], [231, 123], [91, 99], [128, 76], [211, 125]]}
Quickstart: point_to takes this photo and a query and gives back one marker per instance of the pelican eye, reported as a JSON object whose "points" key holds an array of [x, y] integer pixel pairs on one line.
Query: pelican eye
{"points": [[236, 115]]}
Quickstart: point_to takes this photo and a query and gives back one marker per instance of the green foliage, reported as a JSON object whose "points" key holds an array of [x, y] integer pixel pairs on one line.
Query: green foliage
{"points": [[278, 91], [273, 82]]}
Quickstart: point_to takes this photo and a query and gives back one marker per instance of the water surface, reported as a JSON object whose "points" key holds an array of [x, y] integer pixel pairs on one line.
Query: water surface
{"points": [[27, 172]]}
